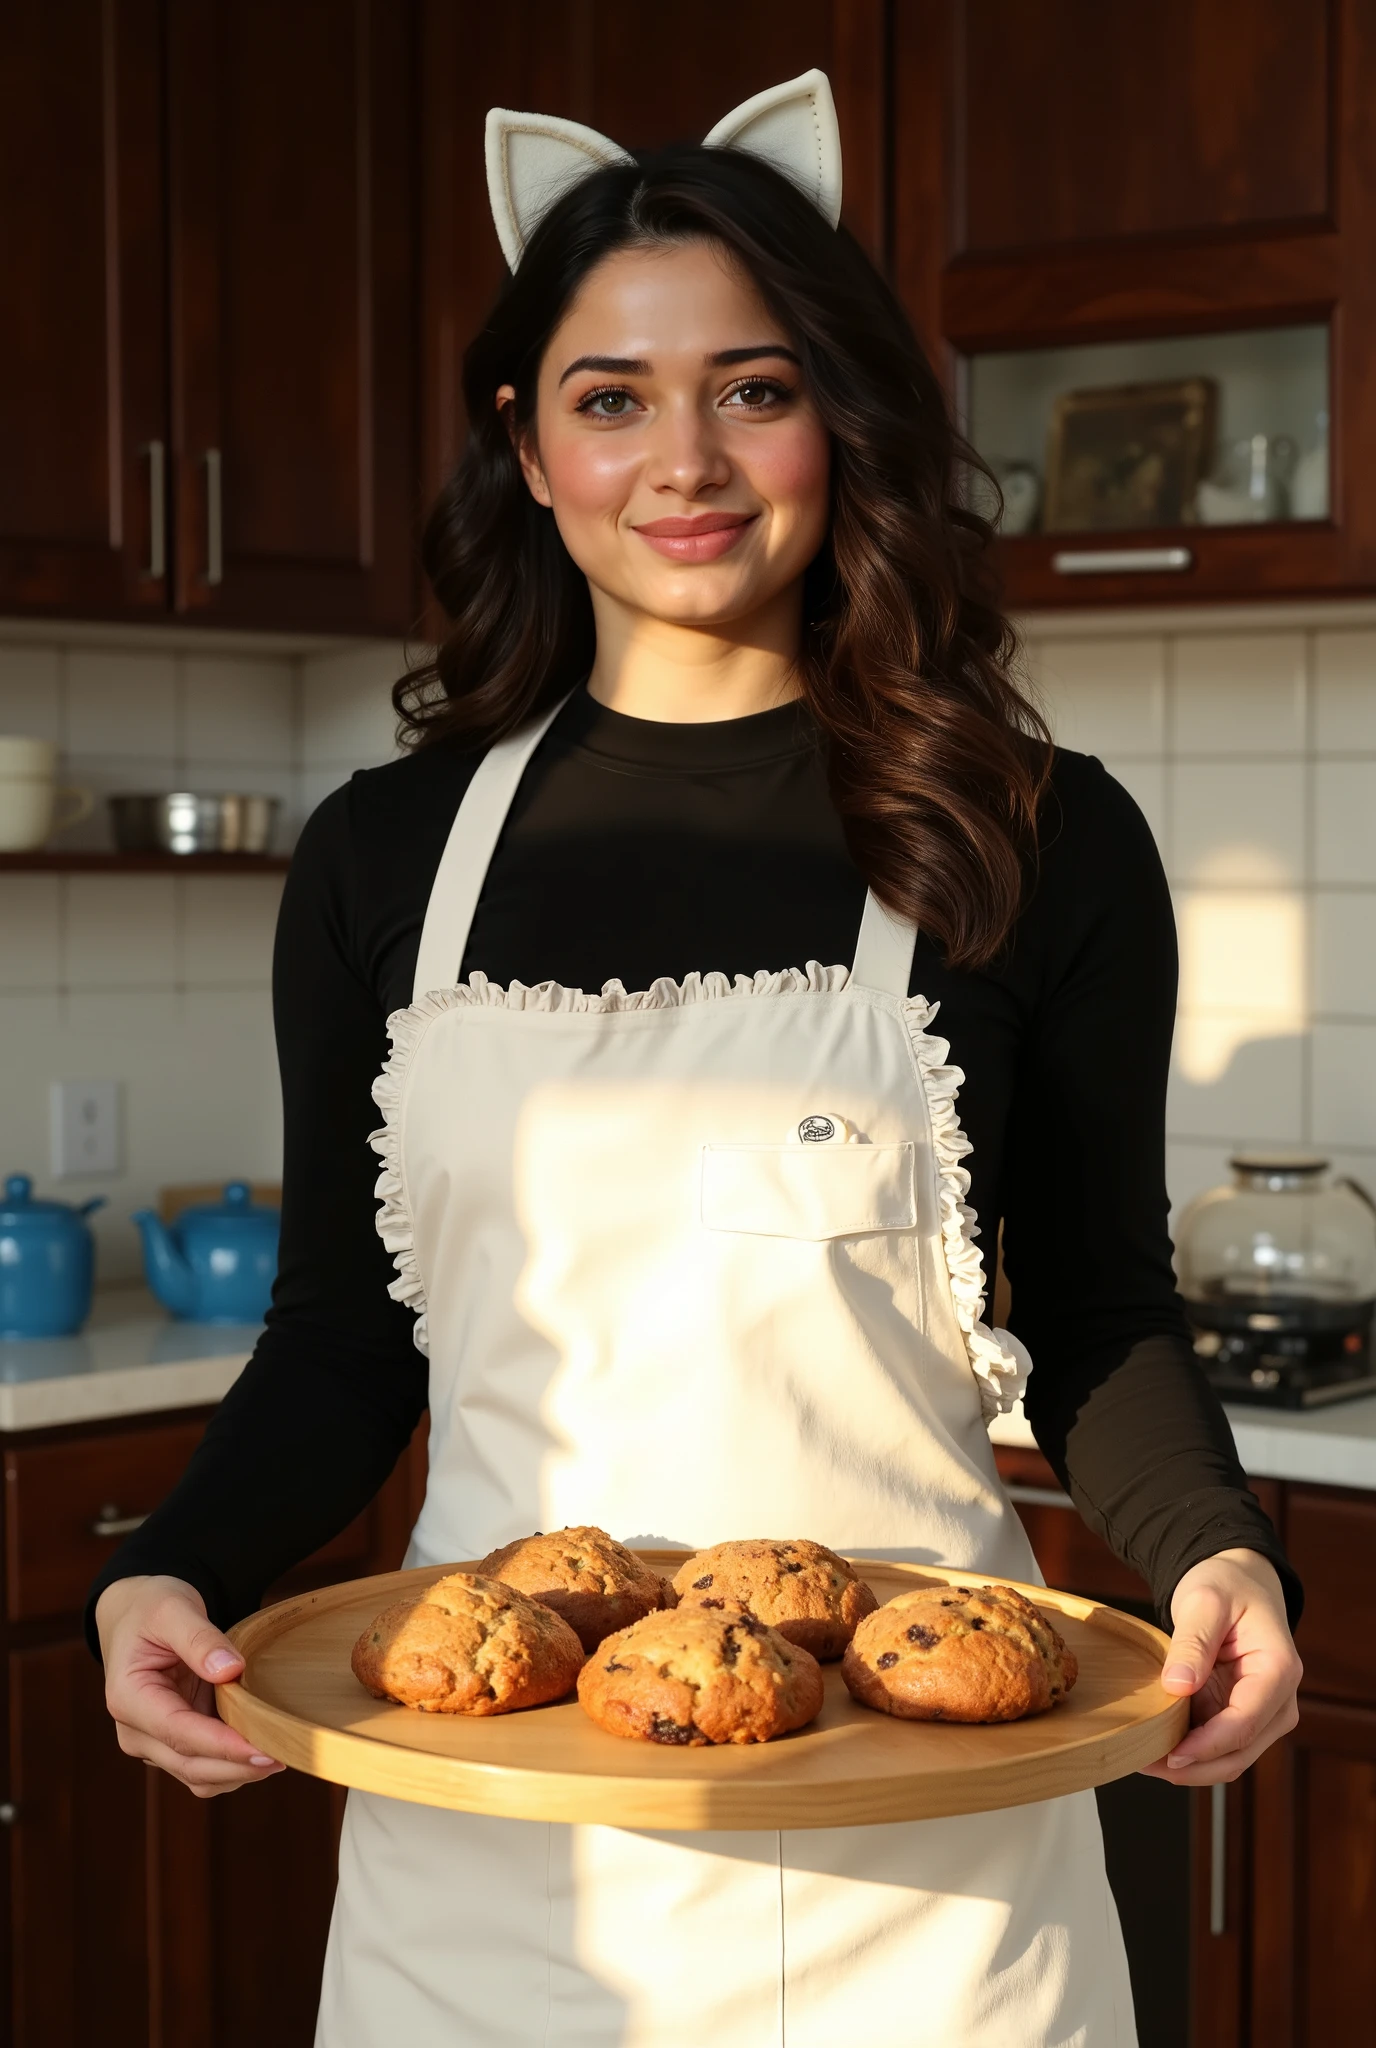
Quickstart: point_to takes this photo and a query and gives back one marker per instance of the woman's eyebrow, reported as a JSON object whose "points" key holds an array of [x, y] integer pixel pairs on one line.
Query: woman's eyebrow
{"points": [[638, 366]]}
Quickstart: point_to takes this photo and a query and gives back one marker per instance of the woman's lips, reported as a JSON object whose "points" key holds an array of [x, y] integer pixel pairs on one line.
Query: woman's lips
{"points": [[696, 540]]}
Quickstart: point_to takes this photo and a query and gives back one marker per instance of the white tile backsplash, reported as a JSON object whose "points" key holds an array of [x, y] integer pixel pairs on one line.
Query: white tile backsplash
{"points": [[120, 932], [1238, 822], [121, 704], [1264, 786], [346, 705], [1105, 696], [31, 691], [227, 927], [238, 711], [1239, 693], [30, 932], [1345, 821], [1345, 1084], [1345, 692], [1343, 953]]}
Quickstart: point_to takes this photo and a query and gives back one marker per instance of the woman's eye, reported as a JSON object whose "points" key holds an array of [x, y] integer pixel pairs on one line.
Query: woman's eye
{"points": [[758, 394], [610, 403]]}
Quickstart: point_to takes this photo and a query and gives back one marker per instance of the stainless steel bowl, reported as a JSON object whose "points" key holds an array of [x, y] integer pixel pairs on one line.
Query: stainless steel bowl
{"points": [[186, 823]]}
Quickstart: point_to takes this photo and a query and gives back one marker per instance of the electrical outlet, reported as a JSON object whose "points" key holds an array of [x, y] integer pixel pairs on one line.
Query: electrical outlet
{"points": [[85, 1128]]}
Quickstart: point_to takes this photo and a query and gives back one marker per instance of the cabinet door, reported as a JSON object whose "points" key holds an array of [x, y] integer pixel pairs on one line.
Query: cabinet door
{"points": [[1314, 1883], [291, 318], [76, 1860], [82, 356]]}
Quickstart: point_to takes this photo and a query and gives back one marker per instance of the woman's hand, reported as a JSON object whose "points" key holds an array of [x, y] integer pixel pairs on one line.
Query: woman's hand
{"points": [[1232, 1651], [163, 1661]]}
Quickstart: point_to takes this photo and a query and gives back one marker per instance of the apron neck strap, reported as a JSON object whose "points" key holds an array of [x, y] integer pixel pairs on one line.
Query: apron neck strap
{"points": [[884, 950], [468, 852]]}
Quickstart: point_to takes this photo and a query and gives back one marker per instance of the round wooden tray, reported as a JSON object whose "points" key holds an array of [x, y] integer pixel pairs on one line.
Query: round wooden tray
{"points": [[299, 1701]]}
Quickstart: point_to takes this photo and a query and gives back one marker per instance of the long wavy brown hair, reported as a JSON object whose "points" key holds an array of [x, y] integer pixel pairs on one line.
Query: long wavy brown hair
{"points": [[935, 759]]}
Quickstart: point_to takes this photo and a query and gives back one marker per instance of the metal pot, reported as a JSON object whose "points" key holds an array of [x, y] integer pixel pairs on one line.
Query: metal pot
{"points": [[186, 823]]}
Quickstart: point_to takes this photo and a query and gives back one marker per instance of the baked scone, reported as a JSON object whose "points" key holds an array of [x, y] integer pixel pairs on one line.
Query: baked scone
{"points": [[584, 1574], [693, 1676], [802, 1589], [959, 1653], [468, 1645]]}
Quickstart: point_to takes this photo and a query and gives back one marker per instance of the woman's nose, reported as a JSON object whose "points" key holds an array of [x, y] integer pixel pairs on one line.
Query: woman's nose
{"points": [[688, 455]]}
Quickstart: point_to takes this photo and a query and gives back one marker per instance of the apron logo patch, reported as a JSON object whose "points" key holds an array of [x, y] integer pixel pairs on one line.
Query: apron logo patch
{"points": [[816, 1130]]}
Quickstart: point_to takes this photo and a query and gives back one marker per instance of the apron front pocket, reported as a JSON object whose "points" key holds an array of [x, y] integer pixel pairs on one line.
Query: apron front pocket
{"points": [[808, 1191]]}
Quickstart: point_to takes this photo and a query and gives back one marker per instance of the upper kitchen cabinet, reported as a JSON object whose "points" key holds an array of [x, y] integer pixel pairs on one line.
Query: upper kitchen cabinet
{"points": [[83, 350], [208, 400], [643, 75], [291, 280], [1138, 239]]}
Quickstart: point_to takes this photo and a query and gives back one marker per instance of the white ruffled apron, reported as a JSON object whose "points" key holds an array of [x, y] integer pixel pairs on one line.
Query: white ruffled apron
{"points": [[692, 1264]]}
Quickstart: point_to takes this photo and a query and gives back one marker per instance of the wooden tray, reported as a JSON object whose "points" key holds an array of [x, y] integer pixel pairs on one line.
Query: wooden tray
{"points": [[299, 1701]]}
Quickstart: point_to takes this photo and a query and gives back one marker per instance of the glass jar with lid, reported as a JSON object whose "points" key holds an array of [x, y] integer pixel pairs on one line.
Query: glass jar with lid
{"points": [[1278, 1272]]}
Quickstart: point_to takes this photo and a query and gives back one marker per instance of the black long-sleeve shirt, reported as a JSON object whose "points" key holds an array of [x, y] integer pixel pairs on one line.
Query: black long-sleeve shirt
{"points": [[634, 850]]}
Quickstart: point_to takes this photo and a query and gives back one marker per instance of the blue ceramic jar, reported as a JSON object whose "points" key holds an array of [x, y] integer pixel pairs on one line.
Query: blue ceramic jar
{"points": [[47, 1263]]}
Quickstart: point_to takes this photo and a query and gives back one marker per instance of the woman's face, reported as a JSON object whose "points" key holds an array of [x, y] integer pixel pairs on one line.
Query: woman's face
{"points": [[675, 440]]}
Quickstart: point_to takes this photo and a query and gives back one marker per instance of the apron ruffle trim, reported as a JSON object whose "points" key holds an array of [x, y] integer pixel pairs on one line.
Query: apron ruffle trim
{"points": [[999, 1362]]}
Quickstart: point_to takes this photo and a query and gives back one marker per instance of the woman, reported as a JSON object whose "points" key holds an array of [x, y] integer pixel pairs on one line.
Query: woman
{"points": [[719, 661]]}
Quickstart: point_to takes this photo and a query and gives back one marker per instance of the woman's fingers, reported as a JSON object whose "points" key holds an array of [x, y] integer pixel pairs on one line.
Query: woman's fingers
{"points": [[163, 1658], [1202, 1618], [203, 1775], [1222, 1770]]}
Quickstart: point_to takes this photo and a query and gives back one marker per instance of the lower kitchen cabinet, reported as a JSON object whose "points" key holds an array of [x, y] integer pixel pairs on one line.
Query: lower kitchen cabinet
{"points": [[134, 1913]]}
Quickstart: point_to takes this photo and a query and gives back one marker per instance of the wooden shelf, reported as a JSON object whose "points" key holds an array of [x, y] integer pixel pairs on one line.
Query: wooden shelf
{"points": [[54, 862]]}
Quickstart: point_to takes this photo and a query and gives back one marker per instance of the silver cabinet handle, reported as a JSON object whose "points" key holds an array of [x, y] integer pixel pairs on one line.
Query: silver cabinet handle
{"points": [[1218, 1859], [1039, 1496], [9, 1813], [214, 520], [110, 1522], [157, 509], [1114, 561]]}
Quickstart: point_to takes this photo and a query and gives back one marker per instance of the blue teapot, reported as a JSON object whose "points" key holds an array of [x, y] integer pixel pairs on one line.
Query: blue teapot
{"points": [[47, 1263], [217, 1262]]}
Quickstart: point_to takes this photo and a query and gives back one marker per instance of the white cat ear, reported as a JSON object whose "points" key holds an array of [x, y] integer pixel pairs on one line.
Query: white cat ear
{"points": [[532, 159], [792, 126]]}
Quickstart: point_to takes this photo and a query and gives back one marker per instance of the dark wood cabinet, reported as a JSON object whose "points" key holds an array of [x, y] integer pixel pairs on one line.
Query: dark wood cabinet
{"points": [[207, 379], [1076, 174], [130, 1911], [83, 351]]}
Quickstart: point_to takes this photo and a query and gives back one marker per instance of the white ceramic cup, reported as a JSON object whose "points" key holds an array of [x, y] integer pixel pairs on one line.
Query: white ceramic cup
{"points": [[30, 795]]}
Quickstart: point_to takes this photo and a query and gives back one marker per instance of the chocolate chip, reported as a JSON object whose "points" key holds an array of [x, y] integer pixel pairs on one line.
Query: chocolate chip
{"points": [[731, 1647], [888, 1660], [712, 1603], [614, 1666], [975, 1621], [699, 1584], [790, 1567], [664, 1730], [920, 1634]]}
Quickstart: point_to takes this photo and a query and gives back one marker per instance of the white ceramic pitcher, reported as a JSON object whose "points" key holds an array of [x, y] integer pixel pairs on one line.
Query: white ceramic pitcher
{"points": [[30, 795]]}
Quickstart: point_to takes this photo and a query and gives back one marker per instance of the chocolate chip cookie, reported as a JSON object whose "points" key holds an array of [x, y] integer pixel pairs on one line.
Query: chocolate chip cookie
{"points": [[694, 1677], [468, 1645], [802, 1589], [959, 1653], [584, 1574]]}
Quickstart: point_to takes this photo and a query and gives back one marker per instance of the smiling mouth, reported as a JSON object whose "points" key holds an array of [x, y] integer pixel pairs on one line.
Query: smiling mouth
{"points": [[696, 540]]}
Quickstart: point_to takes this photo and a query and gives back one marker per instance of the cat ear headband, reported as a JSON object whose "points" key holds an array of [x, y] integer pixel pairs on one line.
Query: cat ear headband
{"points": [[533, 159]]}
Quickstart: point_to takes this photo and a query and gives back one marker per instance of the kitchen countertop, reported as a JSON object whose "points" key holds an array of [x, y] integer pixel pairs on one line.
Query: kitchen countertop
{"points": [[132, 1358], [1324, 1446]]}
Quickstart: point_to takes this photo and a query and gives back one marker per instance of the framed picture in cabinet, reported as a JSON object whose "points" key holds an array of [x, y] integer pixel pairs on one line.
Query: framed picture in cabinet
{"points": [[1128, 455]]}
